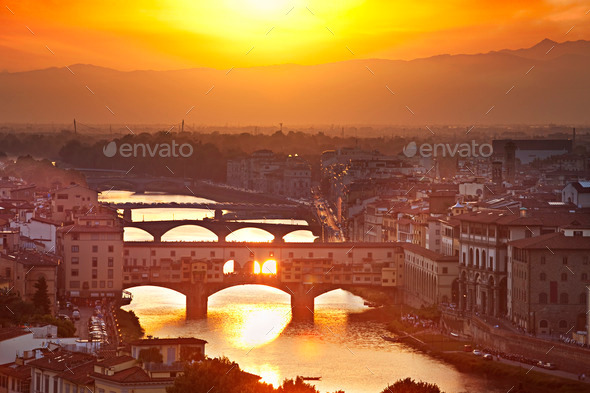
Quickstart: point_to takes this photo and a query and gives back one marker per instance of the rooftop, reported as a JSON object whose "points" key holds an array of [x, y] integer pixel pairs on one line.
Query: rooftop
{"points": [[432, 255], [168, 341], [553, 241]]}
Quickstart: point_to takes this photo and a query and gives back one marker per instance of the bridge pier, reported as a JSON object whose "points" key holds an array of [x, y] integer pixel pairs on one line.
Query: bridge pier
{"points": [[302, 302], [196, 302]]}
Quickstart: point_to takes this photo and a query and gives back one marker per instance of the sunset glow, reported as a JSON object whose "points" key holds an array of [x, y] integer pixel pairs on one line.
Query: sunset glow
{"points": [[166, 34]]}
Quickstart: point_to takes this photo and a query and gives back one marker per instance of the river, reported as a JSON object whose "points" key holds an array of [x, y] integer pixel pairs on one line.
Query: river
{"points": [[252, 325]]}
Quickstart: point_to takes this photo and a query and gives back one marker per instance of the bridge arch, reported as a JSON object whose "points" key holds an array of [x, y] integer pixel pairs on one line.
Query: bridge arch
{"points": [[300, 236], [260, 234], [188, 232], [131, 234]]}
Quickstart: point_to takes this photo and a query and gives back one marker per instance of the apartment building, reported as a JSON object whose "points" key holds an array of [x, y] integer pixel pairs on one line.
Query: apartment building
{"points": [[69, 201], [23, 270], [92, 254], [430, 277], [550, 276]]}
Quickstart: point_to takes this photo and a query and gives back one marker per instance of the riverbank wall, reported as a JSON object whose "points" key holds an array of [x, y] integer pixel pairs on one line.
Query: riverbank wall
{"points": [[568, 357]]}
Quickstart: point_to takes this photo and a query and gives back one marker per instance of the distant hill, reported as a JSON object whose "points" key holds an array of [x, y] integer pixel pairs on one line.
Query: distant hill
{"points": [[445, 89]]}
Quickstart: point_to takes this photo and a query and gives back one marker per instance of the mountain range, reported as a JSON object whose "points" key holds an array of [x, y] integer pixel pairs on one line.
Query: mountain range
{"points": [[546, 83]]}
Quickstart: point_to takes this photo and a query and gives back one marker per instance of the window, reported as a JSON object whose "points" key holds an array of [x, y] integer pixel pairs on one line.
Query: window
{"points": [[102, 284], [111, 248], [543, 324], [330, 255], [75, 273], [542, 298], [563, 298], [369, 255], [94, 248], [74, 284], [94, 274], [232, 253], [564, 260], [110, 284], [563, 276], [110, 274], [310, 254], [75, 249], [75, 260], [290, 255], [172, 253], [543, 276], [153, 253], [563, 324], [111, 261], [445, 270], [212, 254], [94, 262]]}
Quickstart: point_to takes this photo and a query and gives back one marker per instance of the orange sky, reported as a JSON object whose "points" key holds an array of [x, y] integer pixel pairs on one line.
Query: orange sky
{"points": [[172, 34]]}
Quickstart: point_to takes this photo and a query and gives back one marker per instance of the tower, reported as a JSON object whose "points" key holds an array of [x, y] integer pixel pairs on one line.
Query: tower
{"points": [[497, 172], [510, 160]]}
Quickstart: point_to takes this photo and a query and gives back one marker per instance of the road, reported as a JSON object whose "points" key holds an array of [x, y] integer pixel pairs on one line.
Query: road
{"points": [[332, 232], [526, 366]]}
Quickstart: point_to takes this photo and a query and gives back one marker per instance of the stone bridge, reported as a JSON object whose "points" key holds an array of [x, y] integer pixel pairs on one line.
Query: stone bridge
{"points": [[221, 228], [301, 270], [139, 184]]}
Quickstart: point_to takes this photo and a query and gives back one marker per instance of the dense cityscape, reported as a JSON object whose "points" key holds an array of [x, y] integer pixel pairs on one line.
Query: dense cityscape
{"points": [[262, 196]]}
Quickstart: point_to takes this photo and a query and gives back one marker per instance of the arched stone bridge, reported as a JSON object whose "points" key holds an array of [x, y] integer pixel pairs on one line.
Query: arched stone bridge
{"points": [[301, 270], [220, 228]]}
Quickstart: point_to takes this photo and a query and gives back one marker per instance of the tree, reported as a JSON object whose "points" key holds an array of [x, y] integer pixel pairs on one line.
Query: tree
{"points": [[217, 375], [150, 355], [41, 297], [296, 385], [408, 385]]}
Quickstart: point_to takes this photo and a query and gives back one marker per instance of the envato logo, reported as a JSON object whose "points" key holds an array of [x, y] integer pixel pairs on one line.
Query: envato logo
{"points": [[448, 150], [164, 150]]}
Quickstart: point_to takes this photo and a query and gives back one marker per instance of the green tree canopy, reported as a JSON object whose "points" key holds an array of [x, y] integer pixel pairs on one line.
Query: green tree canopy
{"points": [[408, 385], [41, 297]]}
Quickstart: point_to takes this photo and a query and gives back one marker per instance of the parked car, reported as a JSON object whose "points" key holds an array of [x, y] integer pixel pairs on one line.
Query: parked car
{"points": [[477, 352], [63, 317], [550, 366], [76, 314], [467, 348], [488, 356]]}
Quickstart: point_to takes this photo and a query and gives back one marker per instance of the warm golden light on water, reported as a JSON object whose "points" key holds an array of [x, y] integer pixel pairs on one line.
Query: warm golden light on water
{"points": [[257, 325]]}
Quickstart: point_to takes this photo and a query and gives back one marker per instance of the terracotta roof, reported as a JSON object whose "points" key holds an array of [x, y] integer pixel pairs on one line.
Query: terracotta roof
{"points": [[168, 341], [8, 333], [62, 360], [553, 241], [432, 255], [115, 360], [79, 375], [131, 375], [15, 370], [84, 228]]}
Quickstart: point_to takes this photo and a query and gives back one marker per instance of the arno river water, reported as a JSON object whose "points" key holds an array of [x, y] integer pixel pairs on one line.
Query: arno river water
{"points": [[252, 326]]}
